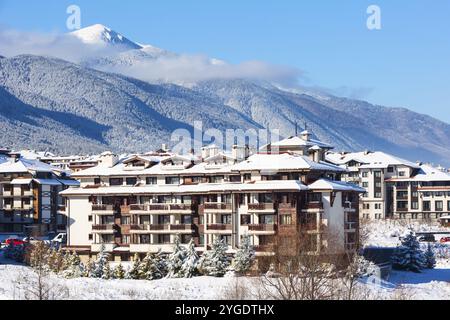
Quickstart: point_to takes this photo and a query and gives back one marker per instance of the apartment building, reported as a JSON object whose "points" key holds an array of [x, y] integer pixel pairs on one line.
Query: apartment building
{"points": [[29, 196], [395, 187], [140, 204], [425, 195]]}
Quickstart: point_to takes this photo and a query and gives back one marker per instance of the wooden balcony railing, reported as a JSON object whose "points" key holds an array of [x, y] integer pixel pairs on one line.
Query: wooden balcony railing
{"points": [[180, 227], [102, 207], [219, 227], [314, 205], [260, 206], [104, 227], [217, 206], [261, 227]]}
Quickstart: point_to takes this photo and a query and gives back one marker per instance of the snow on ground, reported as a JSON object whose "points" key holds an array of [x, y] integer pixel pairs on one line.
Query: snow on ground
{"points": [[430, 284], [387, 233]]}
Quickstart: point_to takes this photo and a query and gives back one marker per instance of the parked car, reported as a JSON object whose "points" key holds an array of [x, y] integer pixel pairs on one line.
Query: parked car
{"points": [[14, 242], [427, 238], [59, 240], [445, 240]]}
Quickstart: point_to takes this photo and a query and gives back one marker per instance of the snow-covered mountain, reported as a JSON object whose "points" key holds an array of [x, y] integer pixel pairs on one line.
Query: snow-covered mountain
{"points": [[101, 35], [92, 110]]}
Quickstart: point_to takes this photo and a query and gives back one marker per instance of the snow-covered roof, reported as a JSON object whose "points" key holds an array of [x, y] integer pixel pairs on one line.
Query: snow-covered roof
{"points": [[370, 160], [325, 184], [26, 165], [258, 186], [21, 181], [295, 141], [427, 173], [282, 162]]}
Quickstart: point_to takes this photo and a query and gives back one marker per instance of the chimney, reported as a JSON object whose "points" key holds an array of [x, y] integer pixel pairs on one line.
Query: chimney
{"points": [[164, 147], [305, 135], [108, 159], [240, 153]]}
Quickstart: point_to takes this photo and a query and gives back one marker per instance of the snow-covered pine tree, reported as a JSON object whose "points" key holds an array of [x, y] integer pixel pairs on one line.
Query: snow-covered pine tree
{"points": [[88, 268], [430, 258], [75, 267], [152, 267], [215, 262], [101, 263], [107, 272], [119, 272], [245, 256], [189, 268], [176, 260], [409, 256], [133, 272]]}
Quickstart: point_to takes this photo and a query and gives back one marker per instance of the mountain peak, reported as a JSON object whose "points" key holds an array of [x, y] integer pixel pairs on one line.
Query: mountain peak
{"points": [[102, 35]]}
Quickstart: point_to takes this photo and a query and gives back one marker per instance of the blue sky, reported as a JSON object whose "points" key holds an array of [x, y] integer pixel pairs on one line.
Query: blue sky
{"points": [[405, 64]]}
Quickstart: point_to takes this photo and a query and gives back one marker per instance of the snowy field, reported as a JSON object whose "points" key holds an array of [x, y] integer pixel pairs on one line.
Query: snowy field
{"points": [[430, 284]]}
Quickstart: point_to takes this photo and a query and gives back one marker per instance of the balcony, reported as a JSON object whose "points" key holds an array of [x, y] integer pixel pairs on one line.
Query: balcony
{"points": [[105, 228], [219, 228], [258, 207], [314, 206], [262, 228], [314, 227], [156, 208], [217, 207], [103, 209], [161, 228]]}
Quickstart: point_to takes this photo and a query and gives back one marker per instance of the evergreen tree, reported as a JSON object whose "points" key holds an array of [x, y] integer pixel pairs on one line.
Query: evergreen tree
{"points": [[87, 271], [430, 259], [107, 272], [133, 272], [408, 256], [245, 256], [75, 268], [215, 262], [119, 272], [100, 265], [176, 260], [189, 268], [152, 267]]}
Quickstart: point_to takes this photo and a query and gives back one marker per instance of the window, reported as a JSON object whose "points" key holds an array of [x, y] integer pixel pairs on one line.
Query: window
{"points": [[235, 178], [286, 219], [126, 239], [415, 194], [144, 239], [116, 181], [378, 195], [131, 181], [426, 206], [90, 218], [107, 238], [438, 194], [97, 181], [267, 219], [186, 219], [247, 177], [378, 206], [164, 239], [402, 194], [245, 220], [377, 174], [427, 194], [226, 239], [365, 174], [151, 180], [439, 205], [402, 205], [164, 219], [90, 237], [226, 219], [365, 184], [216, 179], [378, 184], [186, 238], [125, 220], [402, 173], [172, 180], [415, 205], [390, 169]]}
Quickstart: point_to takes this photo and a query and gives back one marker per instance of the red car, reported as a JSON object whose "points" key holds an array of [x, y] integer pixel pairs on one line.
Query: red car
{"points": [[14, 242], [445, 239]]}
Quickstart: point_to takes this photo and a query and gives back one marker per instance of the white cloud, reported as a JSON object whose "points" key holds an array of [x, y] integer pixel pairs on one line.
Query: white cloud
{"points": [[170, 68]]}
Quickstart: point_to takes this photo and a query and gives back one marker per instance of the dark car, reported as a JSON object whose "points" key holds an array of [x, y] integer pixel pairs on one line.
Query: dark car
{"points": [[427, 238]]}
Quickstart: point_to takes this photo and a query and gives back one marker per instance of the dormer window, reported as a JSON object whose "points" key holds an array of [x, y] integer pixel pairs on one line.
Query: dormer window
{"points": [[151, 180], [116, 181]]}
